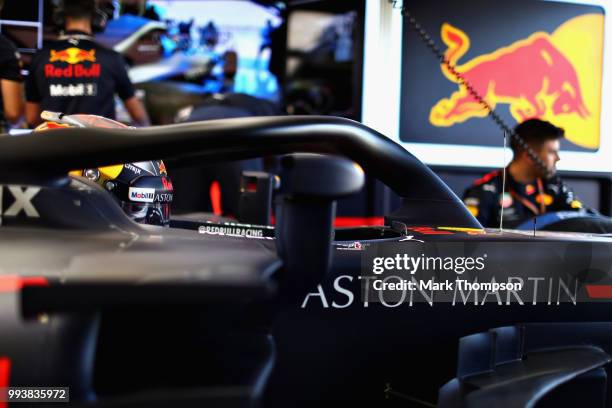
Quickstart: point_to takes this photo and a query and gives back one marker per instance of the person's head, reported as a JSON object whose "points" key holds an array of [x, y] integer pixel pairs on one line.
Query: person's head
{"points": [[543, 138], [78, 11], [142, 189]]}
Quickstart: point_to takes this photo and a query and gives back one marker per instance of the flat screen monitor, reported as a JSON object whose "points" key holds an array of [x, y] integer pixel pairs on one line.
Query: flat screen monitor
{"points": [[323, 71], [527, 58]]}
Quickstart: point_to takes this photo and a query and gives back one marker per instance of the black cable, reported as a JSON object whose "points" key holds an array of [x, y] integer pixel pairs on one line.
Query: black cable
{"points": [[431, 44]]}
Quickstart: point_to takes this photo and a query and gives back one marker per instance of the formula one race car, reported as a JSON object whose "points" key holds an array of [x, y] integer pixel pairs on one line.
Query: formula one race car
{"points": [[206, 312]]}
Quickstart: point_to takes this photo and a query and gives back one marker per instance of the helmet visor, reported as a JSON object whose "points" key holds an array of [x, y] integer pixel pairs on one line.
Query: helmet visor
{"points": [[148, 213]]}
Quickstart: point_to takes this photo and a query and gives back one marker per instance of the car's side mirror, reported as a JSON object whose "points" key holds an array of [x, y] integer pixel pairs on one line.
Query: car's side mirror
{"points": [[305, 211]]}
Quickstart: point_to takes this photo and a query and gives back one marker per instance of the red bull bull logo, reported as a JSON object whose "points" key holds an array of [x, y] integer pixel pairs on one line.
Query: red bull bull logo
{"points": [[73, 55], [543, 76]]}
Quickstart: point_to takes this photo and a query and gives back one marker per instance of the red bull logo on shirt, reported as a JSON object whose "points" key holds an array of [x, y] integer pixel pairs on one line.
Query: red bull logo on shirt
{"points": [[555, 77], [72, 71], [73, 55]]}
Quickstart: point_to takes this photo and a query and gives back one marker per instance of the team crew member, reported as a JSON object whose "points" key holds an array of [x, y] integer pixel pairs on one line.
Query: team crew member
{"points": [[11, 87], [77, 75], [528, 192]]}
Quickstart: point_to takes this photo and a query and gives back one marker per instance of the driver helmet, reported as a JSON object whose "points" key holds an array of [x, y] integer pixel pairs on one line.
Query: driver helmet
{"points": [[143, 189]]}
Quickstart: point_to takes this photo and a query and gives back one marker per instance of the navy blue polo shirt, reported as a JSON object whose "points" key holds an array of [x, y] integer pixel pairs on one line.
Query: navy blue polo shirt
{"points": [[77, 75]]}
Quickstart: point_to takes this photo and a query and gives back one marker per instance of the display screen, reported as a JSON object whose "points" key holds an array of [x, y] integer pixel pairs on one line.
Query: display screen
{"points": [[237, 32], [322, 48], [528, 59]]}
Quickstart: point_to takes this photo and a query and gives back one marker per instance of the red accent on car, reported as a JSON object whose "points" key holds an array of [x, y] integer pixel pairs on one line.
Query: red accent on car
{"points": [[358, 221], [14, 283], [340, 222], [429, 231], [599, 291], [215, 198], [5, 376]]}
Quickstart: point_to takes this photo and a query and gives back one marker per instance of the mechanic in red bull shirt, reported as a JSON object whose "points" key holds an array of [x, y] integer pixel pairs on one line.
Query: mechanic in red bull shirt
{"points": [[528, 192], [77, 75]]}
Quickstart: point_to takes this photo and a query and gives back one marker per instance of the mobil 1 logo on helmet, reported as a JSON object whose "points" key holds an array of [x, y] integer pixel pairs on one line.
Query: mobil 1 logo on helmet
{"points": [[16, 200], [142, 195]]}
